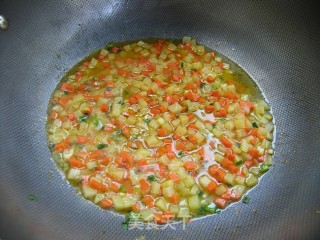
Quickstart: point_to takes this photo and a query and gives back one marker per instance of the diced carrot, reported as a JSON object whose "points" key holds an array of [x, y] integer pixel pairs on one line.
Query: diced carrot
{"points": [[226, 163], [142, 162], [220, 202], [191, 116], [128, 186], [201, 152], [217, 173], [212, 144], [226, 196], [191, 86], [175, 198], [76, 163], [191, 125], [114, 187], [155, 111], [168, 215], [212, 186], [226, 142], [181, 146], [67, 88], [215, 93], [192, 96], [97, 185], [223, 112], [248, 104], [104, 108], [209, 109], [171, 155], [176, 136], [161, 132], [53, 115], [136, 207], [106, 203], [234, 196], [144, 185], [71, 116], [148, 200], [82, 139], [253, 152], [193, 139], [210, 79], [174, 177], [189, 166]]}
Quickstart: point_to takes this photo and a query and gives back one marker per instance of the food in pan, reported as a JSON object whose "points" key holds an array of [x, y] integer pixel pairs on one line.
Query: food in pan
{"points": [[160, 129]]}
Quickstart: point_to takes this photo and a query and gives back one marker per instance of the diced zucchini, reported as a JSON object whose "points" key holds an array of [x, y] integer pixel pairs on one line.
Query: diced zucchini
{"points": [[152, 141], [240, 180], [88, 192], [221, 189], [251, 181], [74, 174], [188, 181], [229, 178], [168, 191], [194, 203], [184, 213], [175, 108], [174, 209], [161, 204], [146, 215], [204, 181], [155, 188]]}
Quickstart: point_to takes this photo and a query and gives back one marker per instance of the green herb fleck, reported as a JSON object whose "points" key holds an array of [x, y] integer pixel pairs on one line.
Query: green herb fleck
{"points": [[202, 210], [202, 85], [246, 199], [125, 92], [110, 45], [182, 65], [200, 194], [147, 120], [32, 197], [51, 146], [229, 185], [238, 163], [101, 146], [264, 168], [218, 211], [211, 208], [125, 225], [180, 154], [118, 132], [83, 118], [121, 102], [238, 144], [122, 188], [65, 93], [152, 178], [255, 125]]}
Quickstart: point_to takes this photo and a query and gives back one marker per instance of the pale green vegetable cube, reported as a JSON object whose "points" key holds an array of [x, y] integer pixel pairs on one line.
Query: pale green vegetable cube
{"points": [[184, 213], [194, 203], [161, 204], [146, 215], [229, 178], [88, 192], [155, 188], [221, 189], [174, 209], [175, 108], [152, 141], [251, 181], [74, 174]]}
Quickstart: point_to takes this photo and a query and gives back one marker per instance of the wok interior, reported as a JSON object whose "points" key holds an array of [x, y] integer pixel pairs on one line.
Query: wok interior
{"points": [[275, 42]]}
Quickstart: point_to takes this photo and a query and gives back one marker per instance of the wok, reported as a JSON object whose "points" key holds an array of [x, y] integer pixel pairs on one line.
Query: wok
{"points": [[276, 42]]}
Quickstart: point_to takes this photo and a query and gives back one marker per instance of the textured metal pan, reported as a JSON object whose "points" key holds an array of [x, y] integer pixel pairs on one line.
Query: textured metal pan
{"points": [[276, 42]]}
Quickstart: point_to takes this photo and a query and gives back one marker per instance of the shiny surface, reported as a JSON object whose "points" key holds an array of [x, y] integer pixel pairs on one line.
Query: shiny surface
{"points": [[275, 42]]}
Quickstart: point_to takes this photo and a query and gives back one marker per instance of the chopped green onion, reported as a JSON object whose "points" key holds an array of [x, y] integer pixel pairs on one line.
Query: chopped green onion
{"points": [[125, 225], [202, 210], [32, 197], [200, 194], [147, 120], [101, 146], [218, 211], [121, 102], [118, 132], [180, 154], [83, 118], [246, 199], [122, 188], [239, 162], [255, 125], [110, 45], [125, 92], [152, 178], [211, 208], [202, 85], [182, 65], [264, 168]]}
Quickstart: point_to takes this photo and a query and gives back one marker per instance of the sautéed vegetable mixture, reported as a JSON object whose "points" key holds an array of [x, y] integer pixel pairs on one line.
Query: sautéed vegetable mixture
{"points": [[162, 130]]}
